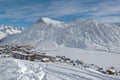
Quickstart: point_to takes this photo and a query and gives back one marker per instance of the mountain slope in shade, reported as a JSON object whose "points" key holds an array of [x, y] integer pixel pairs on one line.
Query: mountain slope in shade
{"points": [[79, 33], [8, 30]]}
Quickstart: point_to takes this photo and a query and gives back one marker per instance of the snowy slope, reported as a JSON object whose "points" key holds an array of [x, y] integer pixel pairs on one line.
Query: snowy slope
{"points": [[100, 58], [8, 30], [13, 69], [48, 21], [79, 33], [2, 35]]}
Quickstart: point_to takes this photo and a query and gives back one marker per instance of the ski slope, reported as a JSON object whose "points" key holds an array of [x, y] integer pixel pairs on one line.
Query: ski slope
{"points": [[15, 69]]}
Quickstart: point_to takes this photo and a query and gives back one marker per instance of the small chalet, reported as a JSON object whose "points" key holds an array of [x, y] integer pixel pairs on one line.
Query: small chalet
{"points": [[110, 71], [45, 58]]}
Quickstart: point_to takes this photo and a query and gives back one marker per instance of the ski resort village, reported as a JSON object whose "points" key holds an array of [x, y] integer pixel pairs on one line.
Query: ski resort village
{"points": [[59, 39], [52, 50], [27, 52]]}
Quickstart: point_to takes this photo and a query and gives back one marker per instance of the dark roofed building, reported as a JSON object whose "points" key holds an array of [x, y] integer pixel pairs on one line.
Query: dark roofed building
{"points": [[24, 56]]}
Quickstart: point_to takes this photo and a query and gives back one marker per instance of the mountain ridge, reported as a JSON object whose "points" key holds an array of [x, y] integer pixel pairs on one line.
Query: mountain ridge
{"points": [[79, 33], [8, 30]]}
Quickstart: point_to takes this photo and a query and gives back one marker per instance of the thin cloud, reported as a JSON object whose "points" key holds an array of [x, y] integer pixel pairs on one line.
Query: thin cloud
{"points": [[59, 8], [109, 19]]}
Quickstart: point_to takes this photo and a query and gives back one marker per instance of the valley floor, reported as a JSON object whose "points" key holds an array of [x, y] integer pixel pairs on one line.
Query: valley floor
{"points": [[100, 58], [15, 69]]}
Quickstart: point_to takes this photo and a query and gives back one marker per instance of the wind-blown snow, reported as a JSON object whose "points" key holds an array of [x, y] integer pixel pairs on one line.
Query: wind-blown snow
{"points": [[80, 33], [13, 69]]}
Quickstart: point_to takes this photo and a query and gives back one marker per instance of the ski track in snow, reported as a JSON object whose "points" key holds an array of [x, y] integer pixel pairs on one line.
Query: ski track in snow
{"points": [[80, 74], [31, 71], [54, 71]]}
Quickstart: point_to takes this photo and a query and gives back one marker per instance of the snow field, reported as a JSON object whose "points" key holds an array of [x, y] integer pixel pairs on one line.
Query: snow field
{"points": [[15, 69]]}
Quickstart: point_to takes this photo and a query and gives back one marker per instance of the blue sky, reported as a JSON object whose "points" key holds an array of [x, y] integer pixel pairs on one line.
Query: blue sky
{"points": [[26, 12]]}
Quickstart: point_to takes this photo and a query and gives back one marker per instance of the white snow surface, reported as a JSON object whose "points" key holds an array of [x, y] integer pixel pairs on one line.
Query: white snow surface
{"points": [[100, 58], [80, 33], [48, 21], [2, 35], [15, 69]]}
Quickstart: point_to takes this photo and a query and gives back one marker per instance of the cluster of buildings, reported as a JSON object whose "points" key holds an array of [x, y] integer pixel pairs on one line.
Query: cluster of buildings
{"points": [[25, 52]]}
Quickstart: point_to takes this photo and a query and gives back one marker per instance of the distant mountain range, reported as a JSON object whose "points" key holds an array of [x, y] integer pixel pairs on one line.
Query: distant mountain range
{"points": [[47, 33], [8, 30]]}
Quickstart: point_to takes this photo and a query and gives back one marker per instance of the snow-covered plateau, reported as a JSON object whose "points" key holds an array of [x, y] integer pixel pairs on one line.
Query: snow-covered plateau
{"points": [[100, 58]]}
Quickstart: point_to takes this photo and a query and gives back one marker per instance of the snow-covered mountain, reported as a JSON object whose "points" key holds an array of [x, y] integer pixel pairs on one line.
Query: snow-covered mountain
{"points": [[78, 33], [8, 30]]}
